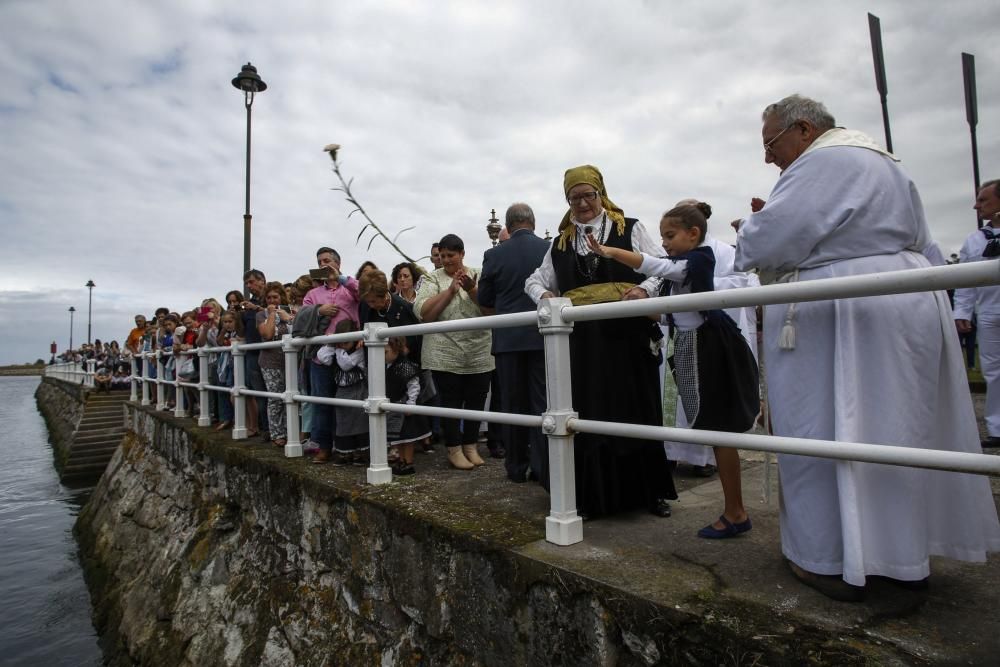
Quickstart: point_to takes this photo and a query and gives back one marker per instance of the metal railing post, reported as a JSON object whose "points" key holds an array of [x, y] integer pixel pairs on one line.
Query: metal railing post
{"points": [[89, 377], [563, 526], [293, 444], [133, 393], [239, 400], [379, 471], [144, 363], [204, 413], [161, 390], [180, 401]]}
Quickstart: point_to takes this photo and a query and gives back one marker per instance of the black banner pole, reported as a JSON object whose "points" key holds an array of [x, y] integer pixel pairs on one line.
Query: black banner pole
{"points": [[972, 115], [875, 28]]}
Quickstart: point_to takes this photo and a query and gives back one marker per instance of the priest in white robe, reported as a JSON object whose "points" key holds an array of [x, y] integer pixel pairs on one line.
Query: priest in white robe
{"points": [[884, 369]]}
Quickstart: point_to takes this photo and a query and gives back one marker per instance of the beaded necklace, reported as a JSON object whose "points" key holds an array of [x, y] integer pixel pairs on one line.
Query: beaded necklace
{"points": [[587, 264]]}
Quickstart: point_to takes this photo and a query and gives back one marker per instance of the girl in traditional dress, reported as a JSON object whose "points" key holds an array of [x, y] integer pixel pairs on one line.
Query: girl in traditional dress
{"points": [[714, 369], [402, 385], [351, 378]]}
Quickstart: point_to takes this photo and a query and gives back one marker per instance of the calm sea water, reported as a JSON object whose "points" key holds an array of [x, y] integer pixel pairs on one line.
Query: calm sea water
{"points": [[44, 604]]}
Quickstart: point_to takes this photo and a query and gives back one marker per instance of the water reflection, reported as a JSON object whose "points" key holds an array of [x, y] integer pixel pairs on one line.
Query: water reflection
{"points": [[45, 609]]}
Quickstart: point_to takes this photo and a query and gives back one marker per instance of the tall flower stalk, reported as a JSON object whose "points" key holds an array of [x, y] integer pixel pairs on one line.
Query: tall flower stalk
{"points": [[345, 187]]}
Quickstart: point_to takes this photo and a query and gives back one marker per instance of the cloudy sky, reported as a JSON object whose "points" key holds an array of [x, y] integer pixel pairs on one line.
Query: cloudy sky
{"points": [[123, 139]]}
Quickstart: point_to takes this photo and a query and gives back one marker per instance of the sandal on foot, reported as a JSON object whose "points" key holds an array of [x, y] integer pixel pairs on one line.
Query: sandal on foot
{"points": [[729, 529], [280, 442]]}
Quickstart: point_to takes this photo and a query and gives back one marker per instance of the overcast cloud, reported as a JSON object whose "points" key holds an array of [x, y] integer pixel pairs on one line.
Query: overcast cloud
{"points": [[123, 140]]}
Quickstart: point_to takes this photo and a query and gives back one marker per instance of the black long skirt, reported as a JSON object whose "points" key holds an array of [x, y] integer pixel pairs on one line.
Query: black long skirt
{"points": [[615, 379]]}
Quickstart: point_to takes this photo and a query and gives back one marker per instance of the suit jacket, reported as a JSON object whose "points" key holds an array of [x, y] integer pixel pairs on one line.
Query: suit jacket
{"points": [[501, 286]]}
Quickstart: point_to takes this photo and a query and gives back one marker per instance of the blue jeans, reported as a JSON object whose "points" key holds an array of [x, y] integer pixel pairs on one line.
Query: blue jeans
{"points": [[324, 417]]}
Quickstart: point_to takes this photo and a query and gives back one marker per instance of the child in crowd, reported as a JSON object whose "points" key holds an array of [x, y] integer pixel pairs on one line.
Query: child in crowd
{"points": [[170, 324], [351, 380], [402, 385], [231, 329], [714, 369], [186, 369]]}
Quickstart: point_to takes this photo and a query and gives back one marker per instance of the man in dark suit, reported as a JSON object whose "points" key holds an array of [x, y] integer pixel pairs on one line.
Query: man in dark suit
{"points": [[520, 359]]}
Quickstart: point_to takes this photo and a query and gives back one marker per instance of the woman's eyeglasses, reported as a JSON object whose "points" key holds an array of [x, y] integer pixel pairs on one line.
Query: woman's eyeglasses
{"points": [[586, 196]]}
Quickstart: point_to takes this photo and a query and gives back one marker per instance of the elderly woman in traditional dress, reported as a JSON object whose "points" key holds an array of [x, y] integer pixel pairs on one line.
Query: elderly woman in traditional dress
{"points": [[461, 361], [614, 369]]}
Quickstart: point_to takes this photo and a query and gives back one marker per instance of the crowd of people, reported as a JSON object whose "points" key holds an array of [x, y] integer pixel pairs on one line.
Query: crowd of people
{"points": [[883, 370], [111, 365]]}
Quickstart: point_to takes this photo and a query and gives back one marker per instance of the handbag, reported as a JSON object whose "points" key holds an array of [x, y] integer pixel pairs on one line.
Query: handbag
{"points": [[187, 369]]}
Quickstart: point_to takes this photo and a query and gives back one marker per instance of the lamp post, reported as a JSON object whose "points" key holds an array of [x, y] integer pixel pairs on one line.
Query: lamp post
{"points": [[493, 228], [71, 311], [250, 83], [90, 302]]}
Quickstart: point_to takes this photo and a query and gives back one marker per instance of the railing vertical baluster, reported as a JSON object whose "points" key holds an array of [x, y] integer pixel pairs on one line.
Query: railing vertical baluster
{"points": [[293, 445], [91, 368], [144, 361], [133, 393], [161, 390], [378, 468], [204, 413], [180, 400], [562, 526], [239, 399]]}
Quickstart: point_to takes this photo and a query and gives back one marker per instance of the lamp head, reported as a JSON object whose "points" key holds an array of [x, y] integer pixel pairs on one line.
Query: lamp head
{"points": [[249, 81]]}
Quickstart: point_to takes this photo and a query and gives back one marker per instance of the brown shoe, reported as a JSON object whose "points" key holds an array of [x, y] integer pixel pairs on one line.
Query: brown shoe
{"points": [[457, 459], [832, 586], [471, 453], [322, 456]]}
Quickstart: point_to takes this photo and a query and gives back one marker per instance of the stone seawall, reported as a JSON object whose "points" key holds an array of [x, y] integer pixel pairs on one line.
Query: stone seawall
{"points": [[199, 553], [202, 551], [61, 405]]}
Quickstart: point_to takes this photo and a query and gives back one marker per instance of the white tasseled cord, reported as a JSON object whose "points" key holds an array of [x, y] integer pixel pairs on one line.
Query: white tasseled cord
{"points": [[786, 340]]}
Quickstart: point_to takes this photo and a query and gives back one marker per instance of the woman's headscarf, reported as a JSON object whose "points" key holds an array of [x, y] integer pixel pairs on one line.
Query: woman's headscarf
{"points": [[590, 175]]}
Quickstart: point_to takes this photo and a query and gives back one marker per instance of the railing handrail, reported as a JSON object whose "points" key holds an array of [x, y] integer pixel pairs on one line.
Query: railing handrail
{"points": [[555, 318]]}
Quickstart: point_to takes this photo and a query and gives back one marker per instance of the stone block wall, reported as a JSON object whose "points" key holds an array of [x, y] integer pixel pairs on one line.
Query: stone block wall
{"points": [[200, 551], [61, 404]]}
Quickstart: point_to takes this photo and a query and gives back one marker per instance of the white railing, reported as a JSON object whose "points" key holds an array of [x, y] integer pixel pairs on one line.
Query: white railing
{"points": [[555, 318], [77, 372]]}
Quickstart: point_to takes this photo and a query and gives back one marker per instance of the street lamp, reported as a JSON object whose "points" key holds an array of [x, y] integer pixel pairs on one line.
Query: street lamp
{"points": [[493, 228], [250, 83], [90, 302], [71, 311]]}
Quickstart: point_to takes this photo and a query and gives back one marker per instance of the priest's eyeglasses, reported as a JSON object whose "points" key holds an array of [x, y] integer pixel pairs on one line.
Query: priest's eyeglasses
{"points": [[767, 146], [586, 196]]}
